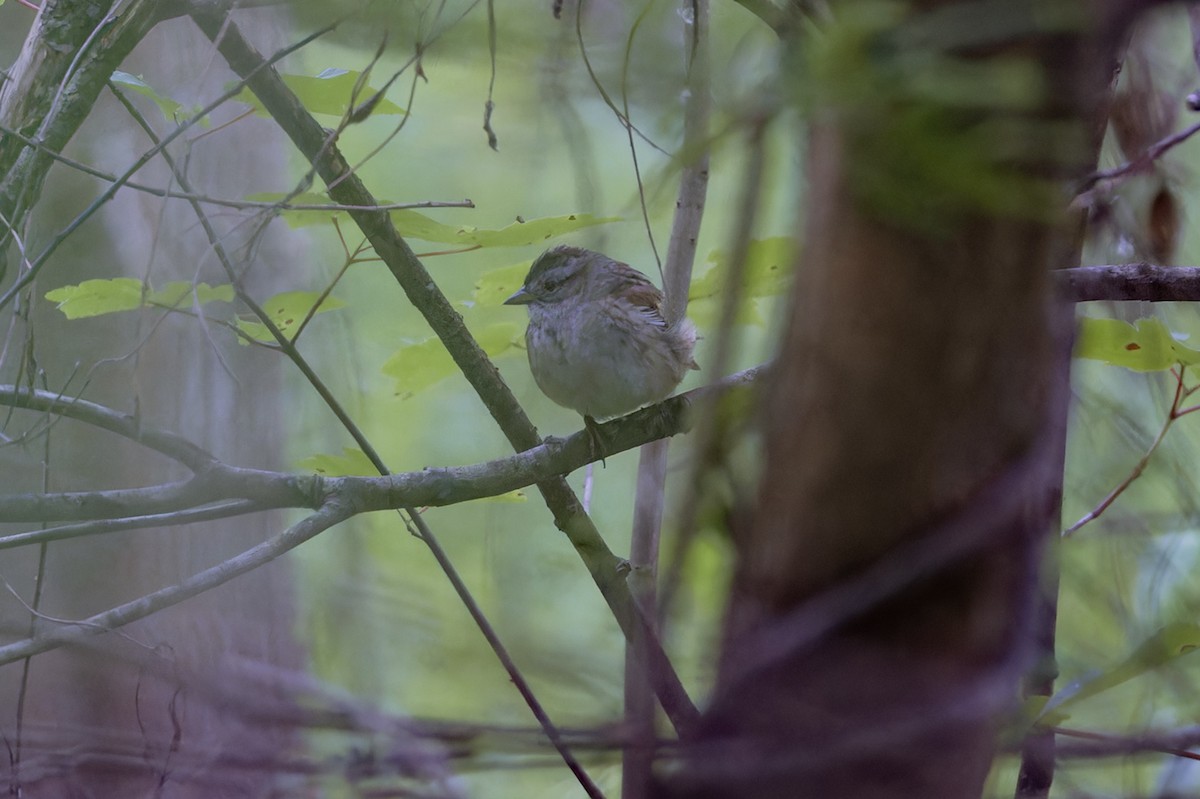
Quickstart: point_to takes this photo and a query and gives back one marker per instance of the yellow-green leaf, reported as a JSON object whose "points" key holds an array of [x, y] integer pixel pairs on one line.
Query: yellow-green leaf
{"points": [[327, 93], [419, 365], [181, 293], [766, 272], [507, 497], [496, 286], [352, 462], [97, 297], [287, 311], [1147, 347], [534, 231], [1170, 642], [165, 104]]}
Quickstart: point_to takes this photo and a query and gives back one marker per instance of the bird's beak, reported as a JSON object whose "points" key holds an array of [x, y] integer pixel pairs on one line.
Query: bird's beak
{"points": [[521, 297]]}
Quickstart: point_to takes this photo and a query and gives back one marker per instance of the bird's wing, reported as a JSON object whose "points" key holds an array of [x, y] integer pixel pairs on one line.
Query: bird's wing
{"points": [[643, 295]]}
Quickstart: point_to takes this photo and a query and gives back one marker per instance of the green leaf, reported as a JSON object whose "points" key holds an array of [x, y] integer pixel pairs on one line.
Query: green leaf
{"points": [[352, 462], [98, 297], [287, 311], [415, 225], [1169, 643], [424, 363], [1147, 347], [327, 93], [518, 234], [496, 286], [767, 270], [509, 496], [181, 293], [165, 104]]}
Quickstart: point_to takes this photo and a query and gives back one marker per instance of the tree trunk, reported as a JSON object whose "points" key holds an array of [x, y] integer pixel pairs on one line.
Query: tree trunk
{"points": [[886, 584]]}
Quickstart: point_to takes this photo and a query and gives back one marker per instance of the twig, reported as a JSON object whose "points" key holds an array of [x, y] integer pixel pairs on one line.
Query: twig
{"points": [[502, 654], [1178, 743], [261, 205], [326, 517], [126, 425], [224, 510], [1143, 161], [1175, 412]]}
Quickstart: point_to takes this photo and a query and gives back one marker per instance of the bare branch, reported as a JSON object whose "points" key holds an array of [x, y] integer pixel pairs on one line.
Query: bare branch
{"points": [[123, 424], [65, 532], [329, 515], [1141, 281]]}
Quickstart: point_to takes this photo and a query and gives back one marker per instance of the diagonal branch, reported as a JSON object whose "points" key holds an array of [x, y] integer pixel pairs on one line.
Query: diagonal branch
{"points": [[330, 514]]}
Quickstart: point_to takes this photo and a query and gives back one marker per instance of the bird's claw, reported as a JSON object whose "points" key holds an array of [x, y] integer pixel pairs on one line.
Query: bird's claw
{"points": [[595, 439]]}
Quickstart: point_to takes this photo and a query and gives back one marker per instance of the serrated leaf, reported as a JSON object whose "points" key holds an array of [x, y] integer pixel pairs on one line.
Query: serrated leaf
{"points": [[181, 293], [351, 463], [165, 104], [1169, 643], [496, 286], [419, 365], [767, 270], [287, 311], [534, 231], [97, 297], [1147, 347], [327, 93]]}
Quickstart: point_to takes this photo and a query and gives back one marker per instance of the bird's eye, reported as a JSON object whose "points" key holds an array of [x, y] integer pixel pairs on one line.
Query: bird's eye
{"points": [[552, 284]]}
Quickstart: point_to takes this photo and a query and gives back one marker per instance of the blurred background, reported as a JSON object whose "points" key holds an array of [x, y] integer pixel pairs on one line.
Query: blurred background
{"points": [[362, 615]]}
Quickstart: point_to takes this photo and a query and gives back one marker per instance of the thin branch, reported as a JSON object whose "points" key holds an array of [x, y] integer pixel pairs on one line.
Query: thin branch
{"points": [[518, 679], [1178, 743], [217, 483], [329, 515], [123, 424], [243, 205], [1143, 161], [1173, 414], [595, 79], [224, 510], [1123, 282]]}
